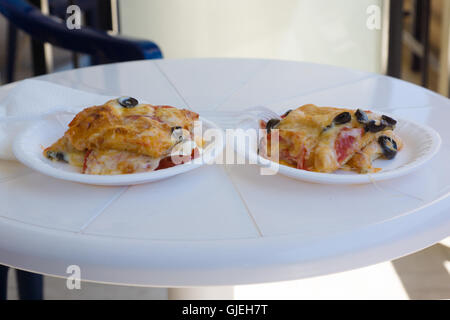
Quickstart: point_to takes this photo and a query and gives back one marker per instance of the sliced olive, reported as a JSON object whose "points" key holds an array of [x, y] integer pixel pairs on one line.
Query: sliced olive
{"points": [[286, 114], [177, 133], [60, 156], [127, 102], [343, 118], [56, 156], [361, 116], [373, 127], [389, 147], [176, 128], [272, 124], [328, 127], [389, 121]]}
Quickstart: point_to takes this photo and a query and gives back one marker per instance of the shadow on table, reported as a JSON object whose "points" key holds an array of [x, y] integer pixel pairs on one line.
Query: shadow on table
{"points": [[426, 274]]}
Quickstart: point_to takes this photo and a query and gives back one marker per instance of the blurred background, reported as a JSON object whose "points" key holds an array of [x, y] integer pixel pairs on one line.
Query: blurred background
{"points": [[406, 39]]}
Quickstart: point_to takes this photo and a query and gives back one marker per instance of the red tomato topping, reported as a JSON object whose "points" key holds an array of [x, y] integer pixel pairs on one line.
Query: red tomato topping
{"points": [[86, 155], [301, 161], [262, 124], [345, 142], [168, 163]]}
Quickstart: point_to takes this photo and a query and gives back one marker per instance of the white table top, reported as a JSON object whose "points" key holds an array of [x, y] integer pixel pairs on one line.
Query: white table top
{"points": [[222, 225]]}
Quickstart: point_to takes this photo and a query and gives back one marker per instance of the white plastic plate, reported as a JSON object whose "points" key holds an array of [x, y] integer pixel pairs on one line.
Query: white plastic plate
{"points": [[29, 145], [421, 143]]}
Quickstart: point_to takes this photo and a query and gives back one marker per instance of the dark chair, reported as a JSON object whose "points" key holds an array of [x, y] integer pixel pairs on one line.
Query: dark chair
{"points": [[103, 47]]}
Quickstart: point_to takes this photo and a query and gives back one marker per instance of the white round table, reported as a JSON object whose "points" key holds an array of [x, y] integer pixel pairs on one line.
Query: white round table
{"points": [[228, 225]]}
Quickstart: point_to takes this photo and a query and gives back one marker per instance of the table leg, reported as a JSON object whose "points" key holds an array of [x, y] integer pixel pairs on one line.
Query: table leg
{"points": [[201, 293]]}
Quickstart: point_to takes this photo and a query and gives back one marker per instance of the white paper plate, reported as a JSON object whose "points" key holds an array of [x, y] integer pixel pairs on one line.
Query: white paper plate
{"points": [[29, 145], [421, 143]]}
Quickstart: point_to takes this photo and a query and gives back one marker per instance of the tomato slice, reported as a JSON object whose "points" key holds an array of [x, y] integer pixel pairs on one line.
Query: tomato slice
{"points": [[301, 161], [168, 163], [86, 155], [346, 142], [262, 124]]}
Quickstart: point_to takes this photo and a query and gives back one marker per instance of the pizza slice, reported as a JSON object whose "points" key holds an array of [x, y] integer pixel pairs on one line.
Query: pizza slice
{"points": [[123, 136], [323, 139]]}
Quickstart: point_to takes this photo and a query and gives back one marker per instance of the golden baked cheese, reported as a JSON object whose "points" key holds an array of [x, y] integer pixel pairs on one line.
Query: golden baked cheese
{"points": [[143, 129]]}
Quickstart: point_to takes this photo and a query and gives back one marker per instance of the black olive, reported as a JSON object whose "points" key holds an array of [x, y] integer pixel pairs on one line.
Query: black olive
{"points": [[328, 128], [373, 127], [343, 118], [127, 102], [176, 128], [361, 116], [389, 121], [272, 124], [56, 156], [389, 147], [177, 133], [286, 114], [60, 156]]}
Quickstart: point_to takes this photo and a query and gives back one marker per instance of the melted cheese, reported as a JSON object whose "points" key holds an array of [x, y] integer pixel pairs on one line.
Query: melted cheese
{"points": [[113, 162]]}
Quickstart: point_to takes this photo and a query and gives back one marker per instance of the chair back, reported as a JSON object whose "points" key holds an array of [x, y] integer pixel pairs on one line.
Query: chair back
{"points": [[85, 40]]}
